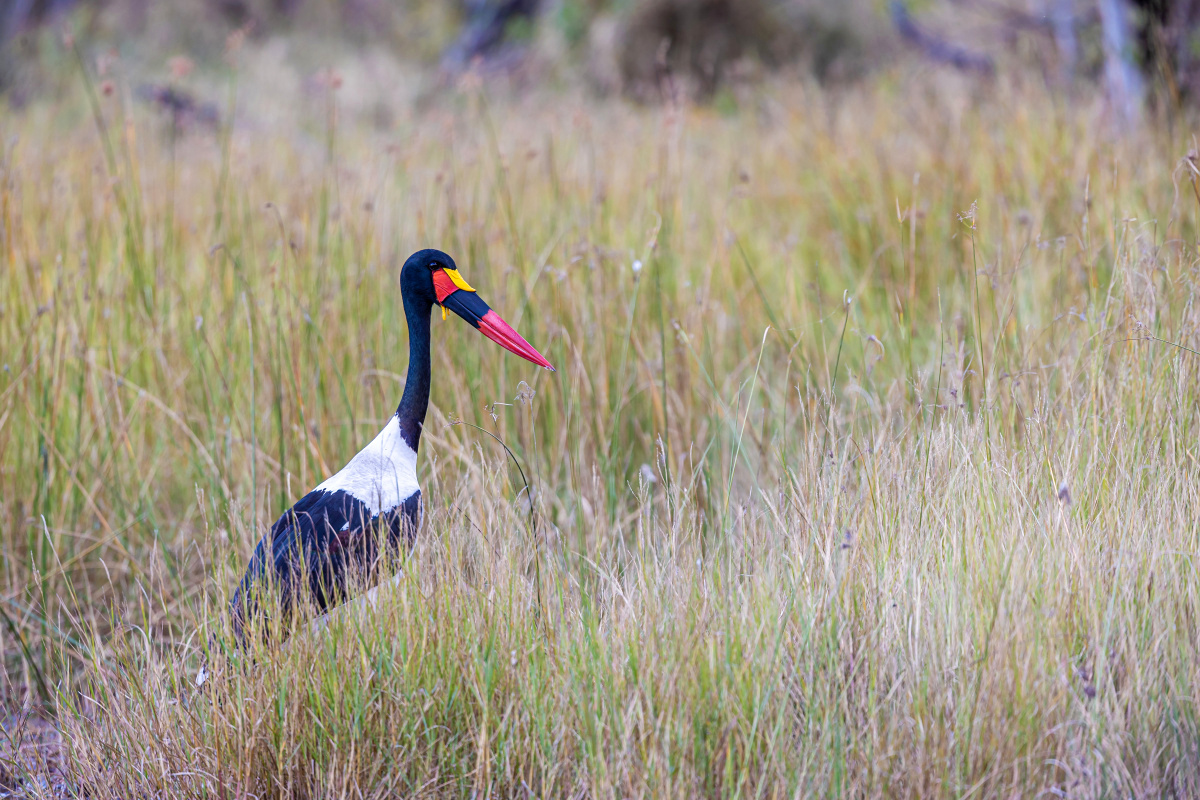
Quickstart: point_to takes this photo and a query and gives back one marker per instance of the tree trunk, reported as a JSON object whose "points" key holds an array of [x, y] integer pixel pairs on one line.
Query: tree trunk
{"points": [[1124, 81]]}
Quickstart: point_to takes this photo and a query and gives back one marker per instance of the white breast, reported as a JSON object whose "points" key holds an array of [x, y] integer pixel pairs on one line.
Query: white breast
{"points": [[383, 475]]}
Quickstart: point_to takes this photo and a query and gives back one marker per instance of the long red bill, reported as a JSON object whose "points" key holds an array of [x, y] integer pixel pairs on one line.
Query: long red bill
{"points": [[500, 332], [470, 306]]}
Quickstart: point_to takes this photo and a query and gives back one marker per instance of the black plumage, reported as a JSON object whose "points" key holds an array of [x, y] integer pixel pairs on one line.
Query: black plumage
{"points": [[317, 547]]}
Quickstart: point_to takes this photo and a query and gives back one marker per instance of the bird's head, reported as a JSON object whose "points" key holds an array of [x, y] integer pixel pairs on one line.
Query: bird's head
{"points": [[432, 275]]}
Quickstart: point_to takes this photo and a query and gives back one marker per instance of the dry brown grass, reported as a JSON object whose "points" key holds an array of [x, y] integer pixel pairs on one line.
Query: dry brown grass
{"points": [[799, 527]]}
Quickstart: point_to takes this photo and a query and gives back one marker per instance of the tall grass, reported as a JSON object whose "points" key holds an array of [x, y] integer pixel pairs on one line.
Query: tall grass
{"points": [[870, 466]]}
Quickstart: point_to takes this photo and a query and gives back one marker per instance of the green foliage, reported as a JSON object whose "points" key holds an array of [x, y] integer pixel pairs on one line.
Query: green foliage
{"points": [[573, 18]]}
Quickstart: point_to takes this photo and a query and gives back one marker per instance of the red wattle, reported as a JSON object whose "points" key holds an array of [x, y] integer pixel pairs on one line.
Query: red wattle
{"points": [[443, 285]]}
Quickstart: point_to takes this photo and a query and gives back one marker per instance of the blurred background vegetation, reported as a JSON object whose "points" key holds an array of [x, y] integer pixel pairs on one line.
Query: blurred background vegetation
{"points": [[701, 49]]}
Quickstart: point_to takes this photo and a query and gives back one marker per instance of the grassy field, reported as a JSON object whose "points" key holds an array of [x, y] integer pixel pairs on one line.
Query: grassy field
{"points": [[870, 467]]}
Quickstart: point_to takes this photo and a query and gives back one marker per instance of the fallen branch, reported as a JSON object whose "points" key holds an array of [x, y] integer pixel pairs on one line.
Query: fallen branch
{"points": [[935, 48]]}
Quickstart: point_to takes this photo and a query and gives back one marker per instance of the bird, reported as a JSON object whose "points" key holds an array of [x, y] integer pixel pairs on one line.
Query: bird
{"points": [[338, 535]]}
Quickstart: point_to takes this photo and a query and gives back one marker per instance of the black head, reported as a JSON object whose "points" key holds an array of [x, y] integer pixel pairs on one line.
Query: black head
{"points": [[430, 276], [416, 276]]}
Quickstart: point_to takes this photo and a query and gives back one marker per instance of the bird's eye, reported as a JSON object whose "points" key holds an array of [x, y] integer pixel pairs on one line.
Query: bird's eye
{"points": [[433, 265]]}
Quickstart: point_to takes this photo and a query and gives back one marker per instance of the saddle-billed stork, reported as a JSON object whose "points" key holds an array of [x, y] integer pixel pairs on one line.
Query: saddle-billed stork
{"points": [[329, 542]]}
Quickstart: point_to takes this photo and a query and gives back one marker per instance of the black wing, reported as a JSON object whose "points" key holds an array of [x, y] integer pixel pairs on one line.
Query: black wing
{"points": [[320, 543]]}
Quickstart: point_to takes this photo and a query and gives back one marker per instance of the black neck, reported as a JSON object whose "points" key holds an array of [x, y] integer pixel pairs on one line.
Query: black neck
{"points": [[415, 401]]}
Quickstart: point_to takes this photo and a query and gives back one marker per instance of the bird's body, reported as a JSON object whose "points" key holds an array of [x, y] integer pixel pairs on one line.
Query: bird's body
{"points": [[339, 534], [338, 531]]}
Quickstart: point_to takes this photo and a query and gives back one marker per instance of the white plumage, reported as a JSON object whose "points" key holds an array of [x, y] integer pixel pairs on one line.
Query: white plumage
{"points": [[382, 475]]}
